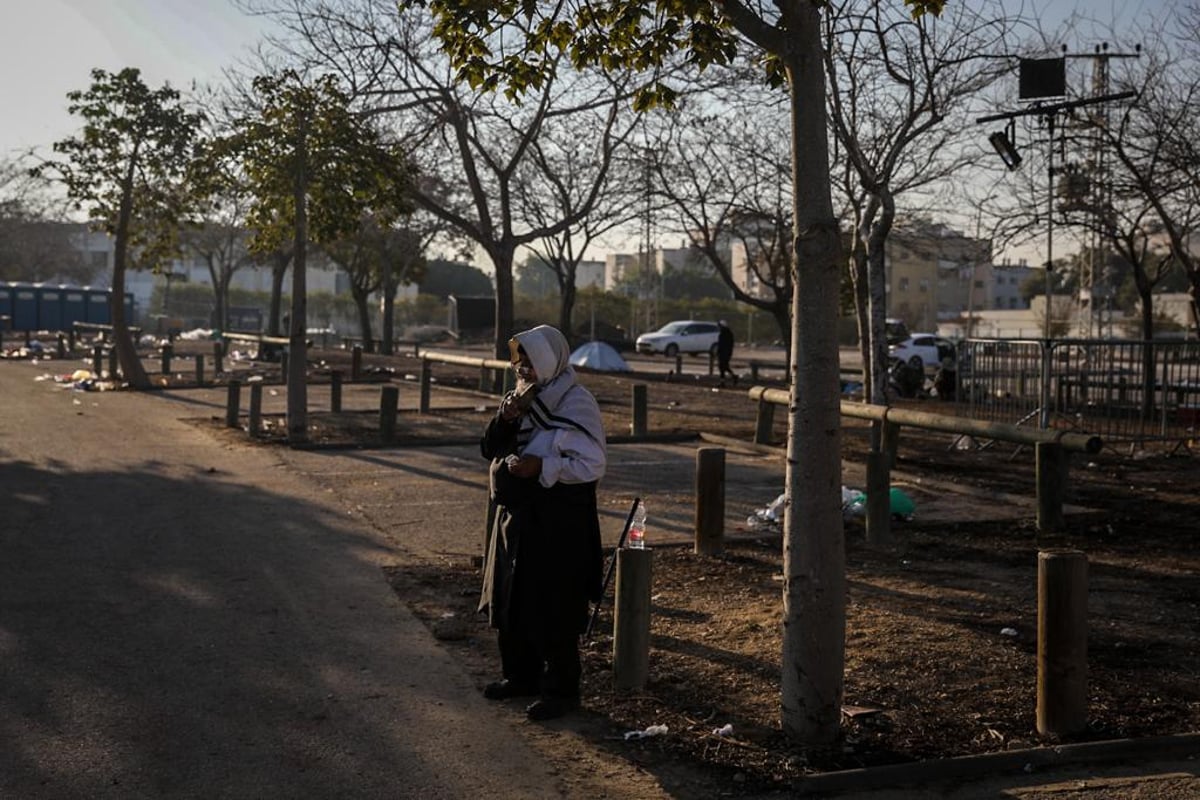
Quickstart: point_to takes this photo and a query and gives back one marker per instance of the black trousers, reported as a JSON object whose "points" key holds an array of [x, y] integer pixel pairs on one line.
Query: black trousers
{"points": [[548, 663]]}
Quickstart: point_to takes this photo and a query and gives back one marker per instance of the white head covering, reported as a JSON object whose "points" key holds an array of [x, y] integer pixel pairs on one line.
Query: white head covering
{"points": [[547, 349]]}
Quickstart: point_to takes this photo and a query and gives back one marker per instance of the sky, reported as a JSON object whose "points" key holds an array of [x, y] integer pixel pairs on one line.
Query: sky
{"points": [[49, 47]]}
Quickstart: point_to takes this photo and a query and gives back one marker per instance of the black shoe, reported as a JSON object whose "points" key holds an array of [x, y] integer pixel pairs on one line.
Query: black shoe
{"points": [[502, 690], [551, 708]]}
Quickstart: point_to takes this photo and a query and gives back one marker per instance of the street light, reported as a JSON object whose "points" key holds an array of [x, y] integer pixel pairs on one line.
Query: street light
{"points": [[1002, 142]]}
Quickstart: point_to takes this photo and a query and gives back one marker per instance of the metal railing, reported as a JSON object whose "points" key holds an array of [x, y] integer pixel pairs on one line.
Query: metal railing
{"points": [[1124, 391]]}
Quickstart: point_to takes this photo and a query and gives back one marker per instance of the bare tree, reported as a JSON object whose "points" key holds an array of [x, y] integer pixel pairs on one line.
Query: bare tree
{"points": [[901, 92], [481, 146], [723, 170]]}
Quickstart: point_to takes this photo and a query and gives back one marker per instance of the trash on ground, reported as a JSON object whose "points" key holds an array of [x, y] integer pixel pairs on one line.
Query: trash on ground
{"points": [[1008, 632], [653, 730], [900, 504], [724, 730], [769, 517]]}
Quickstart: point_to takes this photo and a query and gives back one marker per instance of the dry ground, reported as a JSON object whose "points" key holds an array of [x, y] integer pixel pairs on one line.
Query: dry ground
{"points": [[929, 672]]}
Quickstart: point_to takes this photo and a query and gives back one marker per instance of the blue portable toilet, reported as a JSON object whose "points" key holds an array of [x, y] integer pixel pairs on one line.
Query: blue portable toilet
{"points": [[6, 298], [97, 306], [49, 300], [74, 306], [24, 307]]}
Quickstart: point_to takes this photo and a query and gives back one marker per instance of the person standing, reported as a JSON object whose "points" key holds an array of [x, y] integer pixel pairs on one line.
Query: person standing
{"points": [[725, 351], [544, 562]]}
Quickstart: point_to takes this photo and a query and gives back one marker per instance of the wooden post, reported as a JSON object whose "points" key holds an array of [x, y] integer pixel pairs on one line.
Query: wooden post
{"points": [[70, 339], [754, 372], [678, 364], [631, 619], [710, 501], [233, 403], [1062, 642], [879, 500], [485, 380], [389, 399], [218, 358], [62, 346], [712, 360], [426, 382], [199, 369], [356, 363], [764, 424], [1052, 463], [335, 392], [113, 363], [638, 426], [255, 421], [168, 351]]}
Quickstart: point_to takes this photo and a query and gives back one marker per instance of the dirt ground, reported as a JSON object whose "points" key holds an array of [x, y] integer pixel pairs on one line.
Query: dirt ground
{"points": [[941, 628]]}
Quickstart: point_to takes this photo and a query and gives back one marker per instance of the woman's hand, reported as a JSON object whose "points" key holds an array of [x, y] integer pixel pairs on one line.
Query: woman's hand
{"points": [[509, 410], [524, 466]]}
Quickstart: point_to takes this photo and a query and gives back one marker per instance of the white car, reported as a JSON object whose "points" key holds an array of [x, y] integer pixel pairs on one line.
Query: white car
{"points": [[682, 336], [923, 350]]}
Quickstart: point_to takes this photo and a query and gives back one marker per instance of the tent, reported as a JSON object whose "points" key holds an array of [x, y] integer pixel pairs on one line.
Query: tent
{"points": [[599, 356]]}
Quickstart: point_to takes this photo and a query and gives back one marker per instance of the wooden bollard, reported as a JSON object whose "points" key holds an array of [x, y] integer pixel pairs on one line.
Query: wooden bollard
{"points": [[62, 346], [97, 360], [356, 363], [712, 361], [254, 423], [71, 340], [1052, 461], [426, 384], [199, 369], [678, 364], [631, 619], [335, 392], [1062, 642], [233, 403], [218, 358], [485, 380], [113, 362], [168, 352], [764, 423], [710, 501], [638, 426], [389, 400]]}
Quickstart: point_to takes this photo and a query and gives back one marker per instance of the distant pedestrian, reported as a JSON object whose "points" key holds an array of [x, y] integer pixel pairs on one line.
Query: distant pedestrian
{"points": [[725, 351], [544, 562]]}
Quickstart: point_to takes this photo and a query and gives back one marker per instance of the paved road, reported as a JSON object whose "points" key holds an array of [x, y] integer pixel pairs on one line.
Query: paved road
{"points": [[180, 618]]}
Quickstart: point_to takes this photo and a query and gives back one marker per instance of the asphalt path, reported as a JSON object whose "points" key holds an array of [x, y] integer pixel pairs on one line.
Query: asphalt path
{"points": [[185, 618]]}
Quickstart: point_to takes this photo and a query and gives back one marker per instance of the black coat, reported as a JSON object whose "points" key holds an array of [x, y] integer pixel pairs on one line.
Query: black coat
{"points": [[544, 560]]}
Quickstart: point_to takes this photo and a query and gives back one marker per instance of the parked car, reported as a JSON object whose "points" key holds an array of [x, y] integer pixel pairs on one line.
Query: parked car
{"points": [[923, 350], [681, 336]]}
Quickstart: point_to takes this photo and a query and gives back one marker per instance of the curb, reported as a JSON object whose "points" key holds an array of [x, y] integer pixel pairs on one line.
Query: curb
{"points": [[993, 764]]}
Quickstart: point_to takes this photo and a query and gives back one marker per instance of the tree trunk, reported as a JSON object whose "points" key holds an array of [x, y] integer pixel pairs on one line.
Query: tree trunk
{"points": [[364, 319], [814, 592], [502, 261], [297, 366], [388, 345], [131, 366], [1149, 378], [566, 306], [279, 269]]}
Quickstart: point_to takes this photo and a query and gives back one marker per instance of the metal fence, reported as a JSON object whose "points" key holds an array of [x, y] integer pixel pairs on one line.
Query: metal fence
{"points": [[1124, 391]]}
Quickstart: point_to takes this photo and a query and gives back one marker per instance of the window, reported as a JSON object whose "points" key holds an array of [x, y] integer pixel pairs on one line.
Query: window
{"points": [[904, 284], [923, 285]]}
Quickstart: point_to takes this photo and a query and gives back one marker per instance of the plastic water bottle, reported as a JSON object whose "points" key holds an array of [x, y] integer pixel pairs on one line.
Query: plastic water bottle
{"points": [[637, 529]]}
